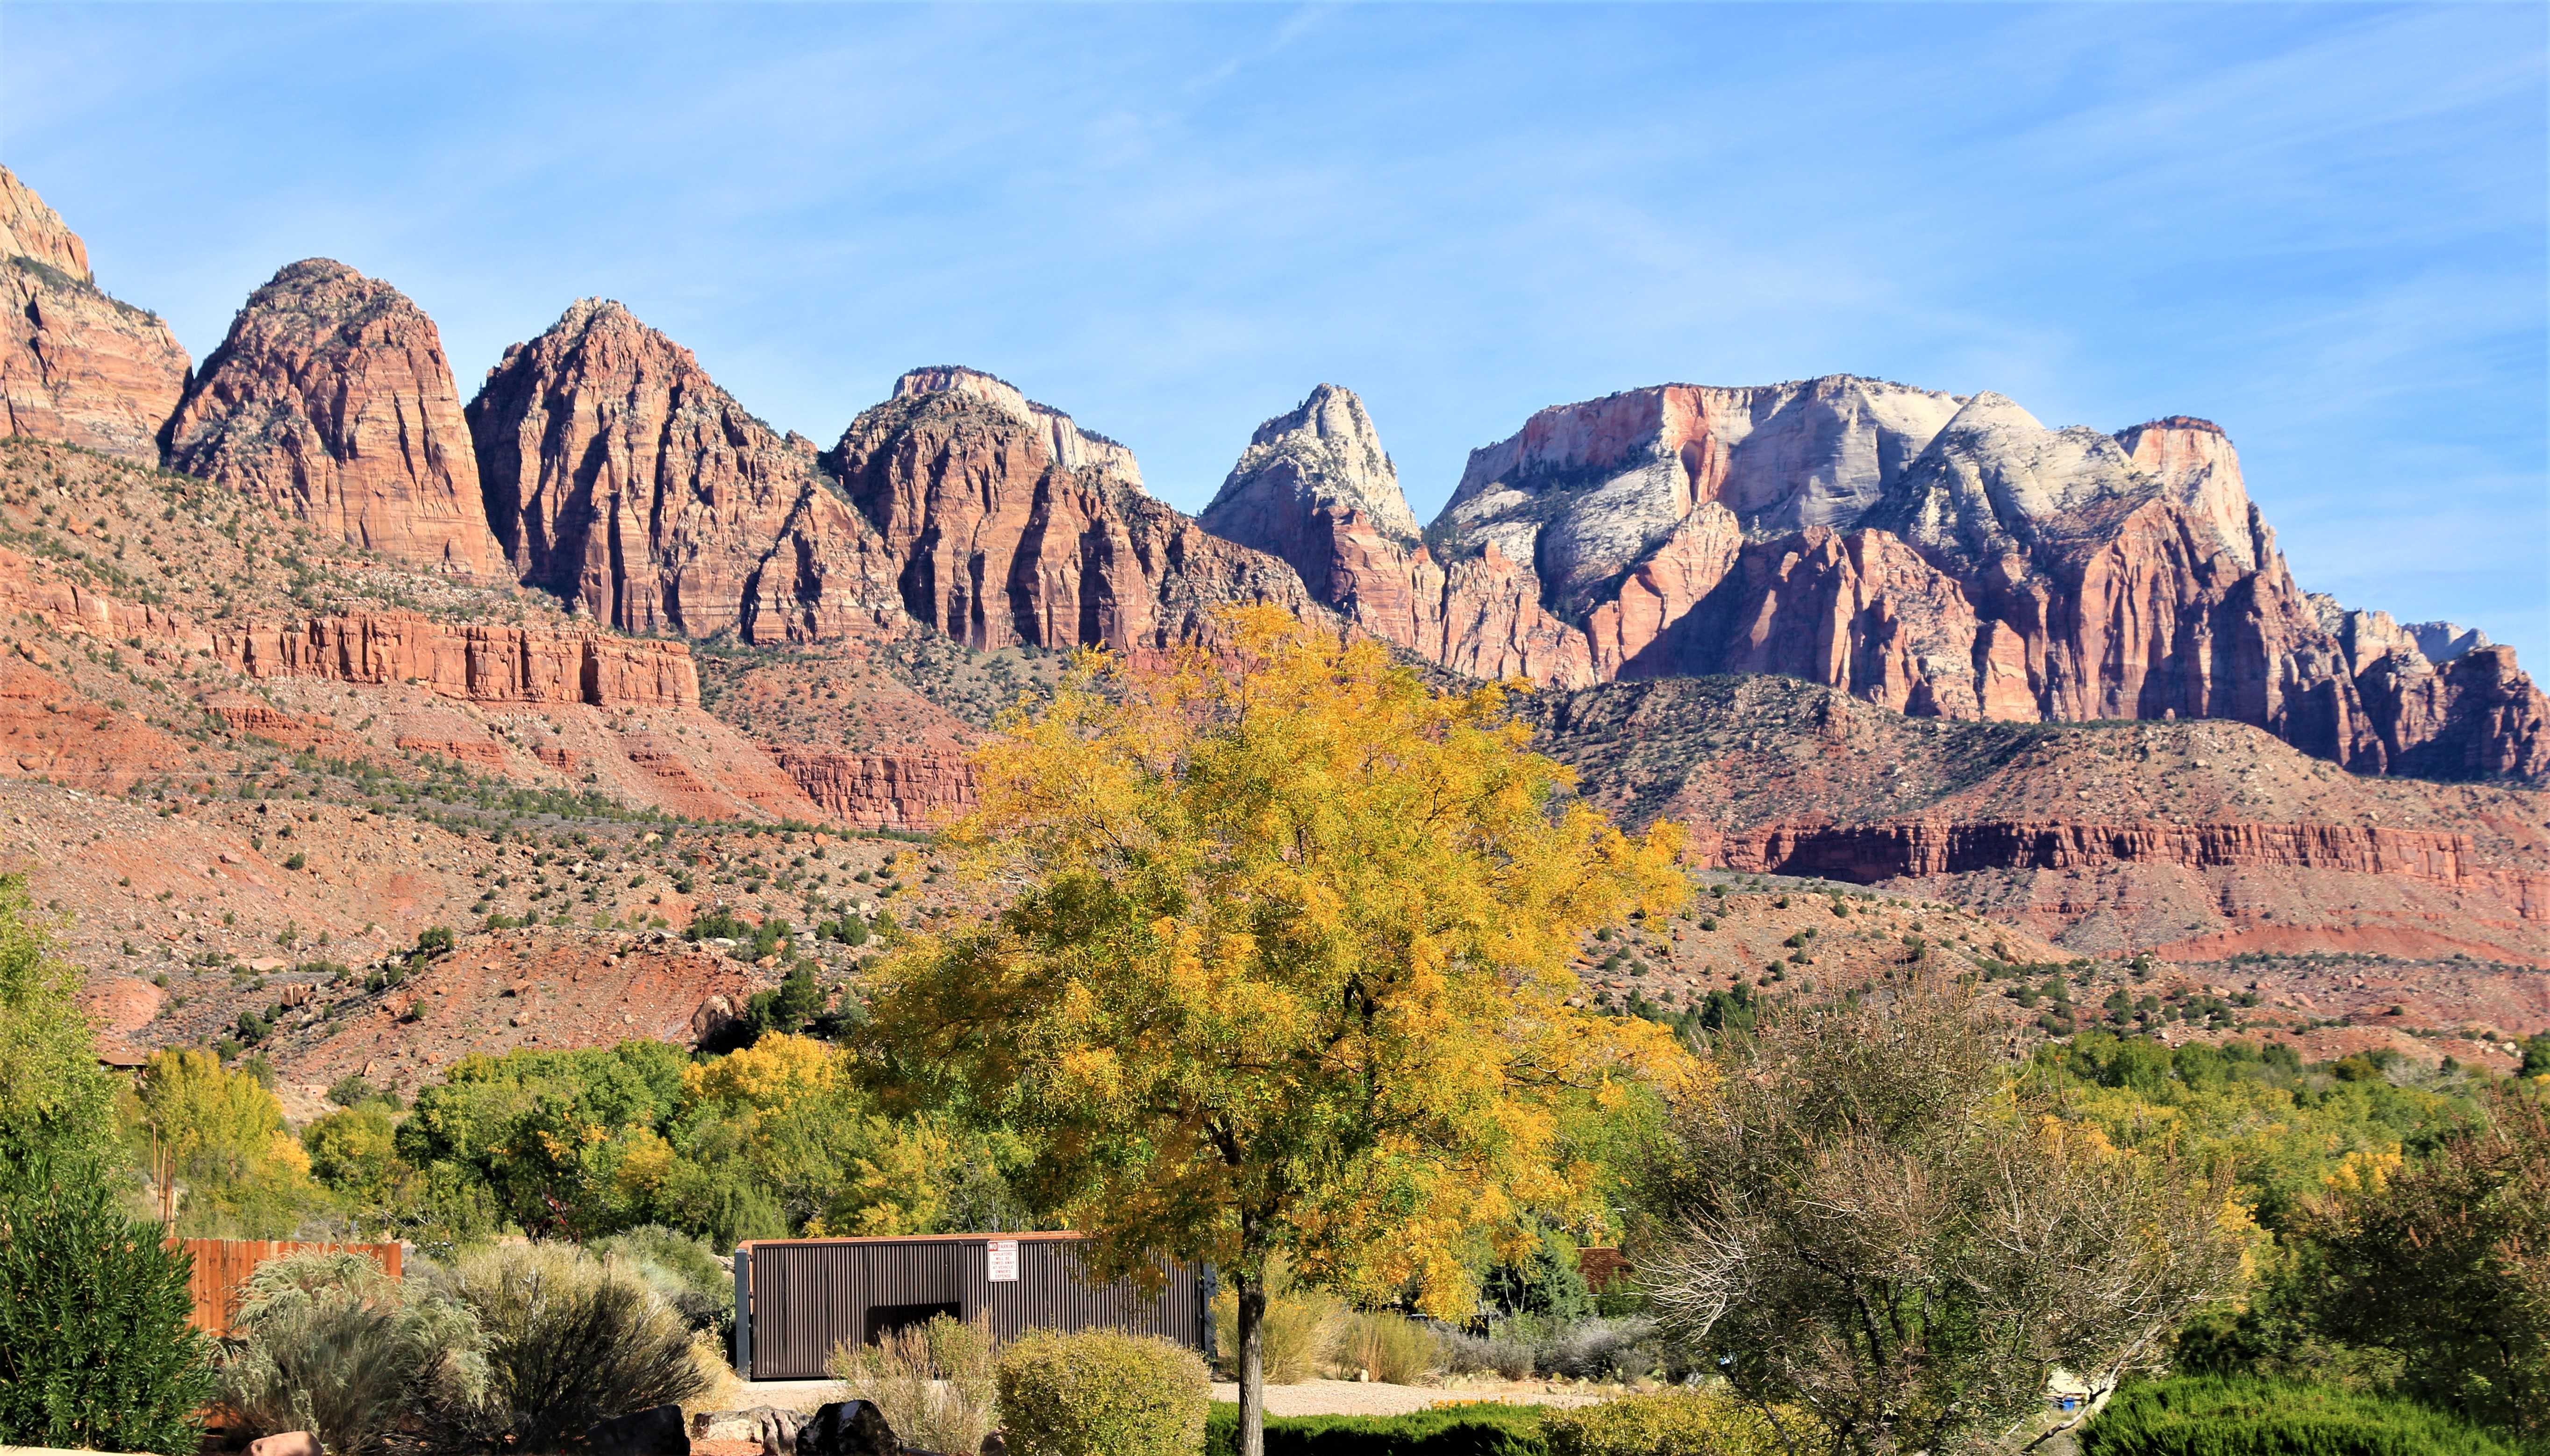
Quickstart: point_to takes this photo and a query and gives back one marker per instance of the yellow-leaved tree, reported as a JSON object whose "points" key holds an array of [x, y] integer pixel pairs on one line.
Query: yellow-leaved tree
{"points": [[1285, 970]]}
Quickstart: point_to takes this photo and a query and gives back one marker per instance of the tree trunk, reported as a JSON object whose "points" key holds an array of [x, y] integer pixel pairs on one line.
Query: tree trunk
{"points": [[1252, 1364]]}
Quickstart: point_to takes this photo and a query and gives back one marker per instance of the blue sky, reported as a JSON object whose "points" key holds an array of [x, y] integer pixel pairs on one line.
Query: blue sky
{"points": [[2325, 227]]}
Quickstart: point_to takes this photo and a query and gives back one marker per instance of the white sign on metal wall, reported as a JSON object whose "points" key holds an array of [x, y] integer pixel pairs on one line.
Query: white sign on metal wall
{"points": [[1003, 1259]]}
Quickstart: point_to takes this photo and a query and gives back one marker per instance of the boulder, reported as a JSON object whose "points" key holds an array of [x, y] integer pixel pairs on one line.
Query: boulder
{"points": [[288, 1443], [657, 1430], [847, 1428]]}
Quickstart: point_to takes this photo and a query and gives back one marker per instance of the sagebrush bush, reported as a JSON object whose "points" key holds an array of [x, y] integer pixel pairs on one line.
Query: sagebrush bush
{"points": [[934, 1382], [684, 1270], [1102, 1394], [1465, 1353], [1298, 1331], [95, 1351], [1388, 1347], [1682, 1423], [329, 1343], [569, 1339], [1603, 1349], [2214, 1416]]}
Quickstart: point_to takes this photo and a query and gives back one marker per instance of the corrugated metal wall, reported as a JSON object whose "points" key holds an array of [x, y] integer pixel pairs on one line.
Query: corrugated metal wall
{"points": [[808, 1294]]}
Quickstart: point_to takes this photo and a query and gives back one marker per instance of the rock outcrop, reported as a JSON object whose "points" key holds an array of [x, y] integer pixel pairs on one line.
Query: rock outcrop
{"points": [[1010, 524], [331, 401], [1314, 488], [883, 791], [76, 365], [1938, 556], [1868, 853], [476, 663], [623, 479]]}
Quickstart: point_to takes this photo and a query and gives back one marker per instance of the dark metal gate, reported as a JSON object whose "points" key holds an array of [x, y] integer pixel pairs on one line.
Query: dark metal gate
{"points": [[796, 1298]]}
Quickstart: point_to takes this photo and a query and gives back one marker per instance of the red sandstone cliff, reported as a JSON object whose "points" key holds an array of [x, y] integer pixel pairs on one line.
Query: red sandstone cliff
{"points": [[883, 791], [76, 365], [1013, 525], [331, 401], [621, 478], [478, 663]]}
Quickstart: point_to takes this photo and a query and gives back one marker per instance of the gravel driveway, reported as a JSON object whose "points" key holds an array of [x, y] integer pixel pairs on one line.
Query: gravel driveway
{"points": [[1370, 1397]]}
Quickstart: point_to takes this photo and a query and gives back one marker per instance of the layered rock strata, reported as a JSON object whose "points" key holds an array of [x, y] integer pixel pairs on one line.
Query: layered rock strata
{"points": [[331, 401], [475, 664], [75, 364], [883, 791], [621, 478], [1868, 853], [1011, 526]]}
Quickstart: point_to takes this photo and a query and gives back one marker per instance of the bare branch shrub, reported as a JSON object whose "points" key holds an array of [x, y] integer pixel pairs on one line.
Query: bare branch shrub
{"points": [[1881, 1221]]}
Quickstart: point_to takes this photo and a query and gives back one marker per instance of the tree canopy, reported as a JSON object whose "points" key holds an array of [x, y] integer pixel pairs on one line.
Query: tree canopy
{"points": [[1285, 970]]}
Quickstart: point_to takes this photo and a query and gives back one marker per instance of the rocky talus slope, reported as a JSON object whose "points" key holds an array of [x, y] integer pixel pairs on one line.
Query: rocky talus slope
{"points": [[624, 480], [2202, 839], [1938, 556], [75, 364], [1015, 527], [331, 401]]}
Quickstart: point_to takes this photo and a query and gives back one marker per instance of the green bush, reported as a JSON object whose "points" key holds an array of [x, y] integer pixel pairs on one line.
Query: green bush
{"points": [[570, 1339], [2211, 1416], [327, 1343], [95, 1350], [1681, 1422], [1102, 1394], [1475, 1429]]}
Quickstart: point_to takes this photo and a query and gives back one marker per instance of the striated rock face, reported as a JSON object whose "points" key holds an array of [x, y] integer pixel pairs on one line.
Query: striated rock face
{"points": [[621, 478], [476, 663], [883, 791], [331, 401], [1868, 853], [76, 365], [1938, 556], [1013, 525]]}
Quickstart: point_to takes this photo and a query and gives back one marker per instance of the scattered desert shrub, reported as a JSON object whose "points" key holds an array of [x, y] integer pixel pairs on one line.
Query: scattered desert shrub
{"points": [[1682, 1423], [1389, 1347], [1603, 1349], [569, 1340], [330, 1344], [2211, 1416], [684, 1270], [1507, 1355], [1472, 1430], [1102, 1394], [933, 1381], [1299, 1329], [95, 1351]]}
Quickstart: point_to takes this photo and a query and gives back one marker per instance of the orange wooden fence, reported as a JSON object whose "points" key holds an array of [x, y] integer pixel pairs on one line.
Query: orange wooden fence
{"points": [[223, 1265]]}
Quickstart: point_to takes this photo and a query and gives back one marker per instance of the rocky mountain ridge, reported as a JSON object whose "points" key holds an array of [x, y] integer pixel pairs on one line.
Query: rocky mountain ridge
{"points": [[1939, 555]]}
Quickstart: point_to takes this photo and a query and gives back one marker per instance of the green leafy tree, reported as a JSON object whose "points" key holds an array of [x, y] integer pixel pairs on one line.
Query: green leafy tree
{"points": [[2446, 1261], [95, 1350], [56, 1105], [219, 1135], [1286, 973]]}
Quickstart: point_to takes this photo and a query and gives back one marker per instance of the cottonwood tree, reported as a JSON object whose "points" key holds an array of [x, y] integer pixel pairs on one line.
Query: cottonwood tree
{"points": [[1880, 1219], [1285, 974]]}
